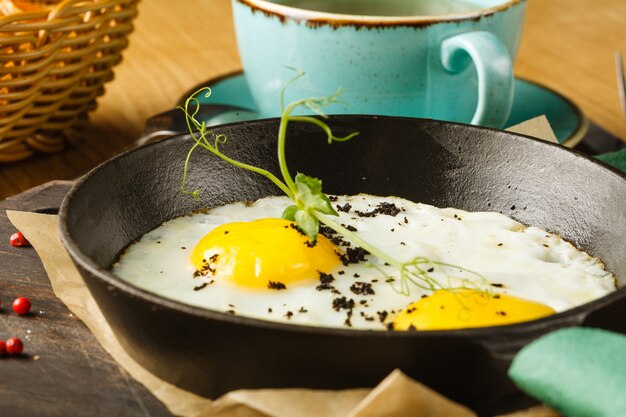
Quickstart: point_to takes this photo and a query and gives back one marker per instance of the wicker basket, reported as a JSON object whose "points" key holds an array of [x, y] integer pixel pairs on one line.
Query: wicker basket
{"points": [[53, 64]]}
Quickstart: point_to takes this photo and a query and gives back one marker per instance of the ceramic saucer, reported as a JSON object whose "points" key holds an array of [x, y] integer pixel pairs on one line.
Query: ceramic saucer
{"points": [[531, 100]]}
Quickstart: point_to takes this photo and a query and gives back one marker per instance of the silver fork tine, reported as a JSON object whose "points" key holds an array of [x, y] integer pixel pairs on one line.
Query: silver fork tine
{"points": [[621, 82]]}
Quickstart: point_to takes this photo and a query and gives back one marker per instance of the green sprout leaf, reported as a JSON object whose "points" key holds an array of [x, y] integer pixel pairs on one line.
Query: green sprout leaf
{"points": [[308, 223], [309, 200], [290, 213], [313, 185]]}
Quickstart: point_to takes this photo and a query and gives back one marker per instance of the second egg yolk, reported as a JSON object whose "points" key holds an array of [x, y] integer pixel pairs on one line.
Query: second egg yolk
{"points": [[266, 253], [447, 310]]}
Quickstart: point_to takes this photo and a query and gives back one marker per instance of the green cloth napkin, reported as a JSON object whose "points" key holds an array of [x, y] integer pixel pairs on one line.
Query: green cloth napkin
{"points": [[616, 159], [580, 372]]}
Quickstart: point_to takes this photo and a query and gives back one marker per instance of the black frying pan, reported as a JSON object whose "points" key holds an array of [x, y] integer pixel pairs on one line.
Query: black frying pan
{"points": [[434, 162]]}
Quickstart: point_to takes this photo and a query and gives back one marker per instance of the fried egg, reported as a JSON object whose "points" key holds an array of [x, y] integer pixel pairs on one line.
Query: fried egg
{"points": [[242, 259]]}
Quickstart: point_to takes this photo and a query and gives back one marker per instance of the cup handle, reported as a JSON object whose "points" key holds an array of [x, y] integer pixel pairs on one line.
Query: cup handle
{"points": [[495, 73]]}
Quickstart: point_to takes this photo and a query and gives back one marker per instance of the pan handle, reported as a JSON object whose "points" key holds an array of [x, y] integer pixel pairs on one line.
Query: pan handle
{"points": [[611, 315], [503, 346], [172, 122]]}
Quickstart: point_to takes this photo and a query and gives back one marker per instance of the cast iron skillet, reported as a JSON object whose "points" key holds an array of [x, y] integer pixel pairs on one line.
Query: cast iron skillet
{"points": [[434, 162]]}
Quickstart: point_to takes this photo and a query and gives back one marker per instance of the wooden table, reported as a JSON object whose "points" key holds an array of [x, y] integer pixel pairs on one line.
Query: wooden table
{"points": [[568, 45], [63, 371]]}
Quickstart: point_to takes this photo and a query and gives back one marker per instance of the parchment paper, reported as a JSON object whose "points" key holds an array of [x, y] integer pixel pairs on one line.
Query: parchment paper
{"points": [[395, 396]]}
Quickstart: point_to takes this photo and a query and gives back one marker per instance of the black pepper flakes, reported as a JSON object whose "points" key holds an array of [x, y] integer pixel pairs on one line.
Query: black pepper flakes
{"points": [[205, 267], [325, 283], [339, 241], [345, 208], [297, 229], [325, 278], [382, 315], [201, 286], [326, 231], [362, 288], [384, 207], [342, 303], [276, 285], [497, 285], [353, 256]]}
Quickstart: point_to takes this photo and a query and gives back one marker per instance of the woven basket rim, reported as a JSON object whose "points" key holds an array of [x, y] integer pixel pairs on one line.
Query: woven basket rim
{"points": [[54, 64]]}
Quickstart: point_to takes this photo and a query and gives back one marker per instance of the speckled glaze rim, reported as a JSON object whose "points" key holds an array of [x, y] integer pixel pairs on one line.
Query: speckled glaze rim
{"points": [[317, 18]]}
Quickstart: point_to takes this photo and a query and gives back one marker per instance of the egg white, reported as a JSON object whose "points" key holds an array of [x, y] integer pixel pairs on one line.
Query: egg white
{"points": [[527, 262]]}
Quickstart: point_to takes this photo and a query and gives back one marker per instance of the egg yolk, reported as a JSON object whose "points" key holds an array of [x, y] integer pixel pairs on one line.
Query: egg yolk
{"points": [[265, 253], [447, 310]]}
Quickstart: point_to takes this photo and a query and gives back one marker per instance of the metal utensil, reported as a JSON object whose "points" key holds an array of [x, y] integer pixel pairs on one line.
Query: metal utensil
{"points": [[621, 81], [599, 141]]}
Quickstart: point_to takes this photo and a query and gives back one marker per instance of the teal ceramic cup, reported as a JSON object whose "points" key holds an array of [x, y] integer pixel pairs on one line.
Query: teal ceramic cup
{"points": [[441, 59]]}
